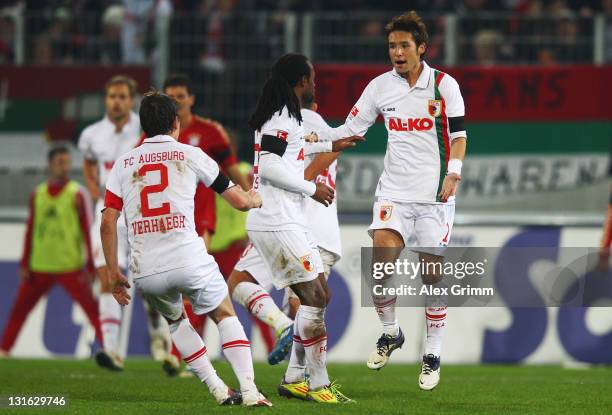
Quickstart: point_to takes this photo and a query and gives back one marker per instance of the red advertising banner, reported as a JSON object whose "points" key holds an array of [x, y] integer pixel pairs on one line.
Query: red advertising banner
{"points": [[568, 93], [52, 82]]}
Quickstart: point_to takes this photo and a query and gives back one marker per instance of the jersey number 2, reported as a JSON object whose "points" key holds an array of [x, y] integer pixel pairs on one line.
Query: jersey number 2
{"points": [[164, 209]]}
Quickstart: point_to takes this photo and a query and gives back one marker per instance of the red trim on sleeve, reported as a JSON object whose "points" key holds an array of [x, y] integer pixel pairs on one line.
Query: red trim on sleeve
{"points": [[111, 200], [27, 242]]}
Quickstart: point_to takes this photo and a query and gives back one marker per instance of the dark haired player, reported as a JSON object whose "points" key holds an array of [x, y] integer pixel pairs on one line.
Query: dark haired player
{"points": [[279, 230], [423, 112], [154, 186]]}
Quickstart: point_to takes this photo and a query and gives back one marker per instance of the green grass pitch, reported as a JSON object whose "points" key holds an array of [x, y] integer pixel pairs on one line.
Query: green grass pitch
{"points": [[478, 389]]}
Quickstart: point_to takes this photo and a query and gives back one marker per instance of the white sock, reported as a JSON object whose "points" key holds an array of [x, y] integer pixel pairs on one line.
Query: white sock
{"points": [[435, 319], [110, 322], [297, 361], [191, 346], [385, 308], [237, 350], [259, 303], [314, 339]]}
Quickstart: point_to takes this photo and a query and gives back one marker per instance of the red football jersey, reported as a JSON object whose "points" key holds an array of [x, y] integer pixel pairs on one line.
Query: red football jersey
{"points": [[212, 138]]}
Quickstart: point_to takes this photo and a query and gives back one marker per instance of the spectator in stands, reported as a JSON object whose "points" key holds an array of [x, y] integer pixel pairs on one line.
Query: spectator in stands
{"points": [[56, 247], [112, 20], [487, 47], [141, 20], [569, 48]]}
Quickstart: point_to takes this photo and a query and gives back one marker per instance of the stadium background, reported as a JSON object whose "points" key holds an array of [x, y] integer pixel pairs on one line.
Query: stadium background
{"points": [[535, 76]]}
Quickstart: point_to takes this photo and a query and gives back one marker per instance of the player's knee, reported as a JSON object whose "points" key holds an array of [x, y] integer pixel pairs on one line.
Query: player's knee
{"points": [[318, 296]]}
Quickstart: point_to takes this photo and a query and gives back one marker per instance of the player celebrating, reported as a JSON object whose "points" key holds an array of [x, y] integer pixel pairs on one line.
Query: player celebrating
{"points": [[323, 221], [102, 143], [250, 282], [423, 111], [278, 230], [211, 137], [154, 185]]}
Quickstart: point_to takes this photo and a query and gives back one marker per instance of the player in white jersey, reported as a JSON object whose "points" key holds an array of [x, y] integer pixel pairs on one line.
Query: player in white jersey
{"points": [[102, 143], [323, 221], [154, 185], [423, 111], [251, 281], [278, 230]]}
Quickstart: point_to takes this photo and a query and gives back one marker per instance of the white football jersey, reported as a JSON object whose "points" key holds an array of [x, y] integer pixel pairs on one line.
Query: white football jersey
{"points": [[421, 123], [102, 143], [323, 221], [155, 184], [281, 209]]}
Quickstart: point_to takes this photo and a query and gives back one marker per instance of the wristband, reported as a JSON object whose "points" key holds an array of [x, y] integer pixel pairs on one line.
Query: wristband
{"points": [[454, 166]]}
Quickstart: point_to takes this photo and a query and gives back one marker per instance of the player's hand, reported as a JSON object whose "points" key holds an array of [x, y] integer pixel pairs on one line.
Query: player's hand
{"points": [[255, 198], [324, 194], [347, 142], [311, 138], [24, 274], [449, 186], [120, 286]]}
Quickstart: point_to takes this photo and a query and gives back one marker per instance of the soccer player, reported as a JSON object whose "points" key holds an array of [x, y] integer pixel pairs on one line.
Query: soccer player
{"points": [[251, 282], [323, 221], [102, 143], [423, 112], [154, 186], [211, 137], [56, 247], [278, 230], [251, 270]]}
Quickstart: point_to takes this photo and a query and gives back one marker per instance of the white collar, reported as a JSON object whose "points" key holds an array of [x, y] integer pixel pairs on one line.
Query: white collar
{"points": [[159, 139]]}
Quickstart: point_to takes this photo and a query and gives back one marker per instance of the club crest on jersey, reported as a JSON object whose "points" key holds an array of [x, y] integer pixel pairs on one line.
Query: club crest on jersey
{"points": [[282, 135], [435, 107], [385, 212], [307, 263], [194, 140], [354, 112]]}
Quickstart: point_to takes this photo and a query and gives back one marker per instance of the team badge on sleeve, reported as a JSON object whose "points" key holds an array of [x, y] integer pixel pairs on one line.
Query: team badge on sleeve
{"points": [[385, 212], [282, 135], [354, 112], [435, 107], [306, 261]]}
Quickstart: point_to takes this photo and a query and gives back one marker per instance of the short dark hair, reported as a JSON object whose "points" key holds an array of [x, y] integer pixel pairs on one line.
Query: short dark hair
{"points": [[56, 150], [122, 80], [179, 79], [409, 22], [157, 113]]}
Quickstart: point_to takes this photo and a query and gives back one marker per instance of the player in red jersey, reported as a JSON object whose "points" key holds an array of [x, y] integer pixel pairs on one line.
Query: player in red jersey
{"points": [[212, 138]]}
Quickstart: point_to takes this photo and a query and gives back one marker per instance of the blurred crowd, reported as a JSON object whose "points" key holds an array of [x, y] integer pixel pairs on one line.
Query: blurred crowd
{"points": [[125, 31]]}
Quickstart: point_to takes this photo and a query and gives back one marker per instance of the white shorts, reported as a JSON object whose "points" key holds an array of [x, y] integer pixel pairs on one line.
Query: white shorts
{"points": [[250, 261], [203, 284], [329, 259], [290, 257], [426, 227], [96, 240]]}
